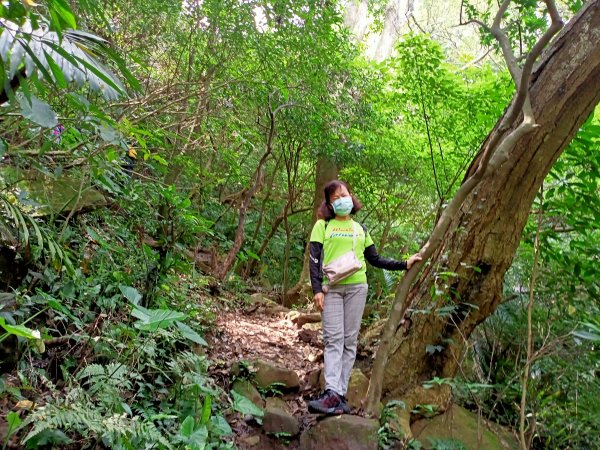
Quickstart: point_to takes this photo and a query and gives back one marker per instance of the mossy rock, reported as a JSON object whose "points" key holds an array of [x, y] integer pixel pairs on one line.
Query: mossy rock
{"points": [[463, 427], [279, 419], [267, 374], [245, 388], [341, 433], [43, 195], [357, 388]]}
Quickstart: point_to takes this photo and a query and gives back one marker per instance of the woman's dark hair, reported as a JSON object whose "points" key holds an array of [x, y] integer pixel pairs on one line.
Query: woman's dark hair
{"points": [[325, 210]]}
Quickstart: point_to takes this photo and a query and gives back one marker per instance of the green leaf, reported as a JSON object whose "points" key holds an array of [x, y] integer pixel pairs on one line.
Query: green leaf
{"points": [[162, 416], [56, 306], [197, 441], [187, 427], [20, 330], [100, 72], [56, 71], [587, 335], [133, 82], [109, 134], [190, 334], [93, 67], [52, 250], [38, 232], [153, 319], [160, 159], [245, 406], [37, 111], [206, 410], [130, 293], [395, 403], [35, 60], [219, 426], [63, 11], [253, 255], [126, 408], [48, 437], [14, 421], [3, 147], [20, 220], [446, 310]]}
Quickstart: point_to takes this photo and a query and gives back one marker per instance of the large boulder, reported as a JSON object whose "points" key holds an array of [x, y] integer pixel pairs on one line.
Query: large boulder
{"points": [[43, 195], [341, 433], [278, 419], [266, 305], [267, 374], [462, 425]]}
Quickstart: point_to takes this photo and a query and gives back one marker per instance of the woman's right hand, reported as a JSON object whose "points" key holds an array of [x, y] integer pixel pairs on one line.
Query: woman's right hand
{"points": [[319, 300]]}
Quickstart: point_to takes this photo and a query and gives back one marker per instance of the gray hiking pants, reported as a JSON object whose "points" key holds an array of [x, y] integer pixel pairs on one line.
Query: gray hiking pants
{"points": [[342, 315]]}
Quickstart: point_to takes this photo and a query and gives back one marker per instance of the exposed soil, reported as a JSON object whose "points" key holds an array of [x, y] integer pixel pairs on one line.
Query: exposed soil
{"points": [[265, 333]]}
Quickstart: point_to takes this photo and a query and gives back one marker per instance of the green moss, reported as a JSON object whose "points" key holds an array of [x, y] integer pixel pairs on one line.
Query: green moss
{"points": [[461, 425], [42, 195]]}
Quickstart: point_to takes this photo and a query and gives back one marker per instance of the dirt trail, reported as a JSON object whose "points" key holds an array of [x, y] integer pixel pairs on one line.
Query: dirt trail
{"points": [[264, 333]]}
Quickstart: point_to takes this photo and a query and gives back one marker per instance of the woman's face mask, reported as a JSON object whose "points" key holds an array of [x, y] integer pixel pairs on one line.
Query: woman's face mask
{"points": [[343, 206]]}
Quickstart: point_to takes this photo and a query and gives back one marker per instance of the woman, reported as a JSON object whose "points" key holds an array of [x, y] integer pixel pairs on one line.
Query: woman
{"points": [[342, 305]]}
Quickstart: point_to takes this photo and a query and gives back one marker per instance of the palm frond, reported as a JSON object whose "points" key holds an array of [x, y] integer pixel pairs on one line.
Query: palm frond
{"points": [[71, 57]]}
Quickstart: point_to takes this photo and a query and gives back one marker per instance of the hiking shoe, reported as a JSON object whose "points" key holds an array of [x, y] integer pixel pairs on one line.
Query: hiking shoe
{"points": [[327, 403], [344, 405]]}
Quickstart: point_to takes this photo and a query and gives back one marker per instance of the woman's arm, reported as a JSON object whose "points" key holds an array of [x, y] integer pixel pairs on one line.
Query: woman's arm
{"points": [[376, 260], [315, 250]]}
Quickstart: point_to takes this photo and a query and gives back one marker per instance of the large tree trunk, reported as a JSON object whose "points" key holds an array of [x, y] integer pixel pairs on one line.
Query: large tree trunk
{"points": [[397, 14], [356, 18], [481, 242]]}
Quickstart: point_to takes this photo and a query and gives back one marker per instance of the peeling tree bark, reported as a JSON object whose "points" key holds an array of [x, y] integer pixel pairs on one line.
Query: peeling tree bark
{"points": [[397, 14], [483, 235], [356, 18]]}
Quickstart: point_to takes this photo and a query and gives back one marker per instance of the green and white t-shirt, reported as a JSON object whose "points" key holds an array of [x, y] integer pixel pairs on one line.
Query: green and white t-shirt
{"points": [[336, 237]]}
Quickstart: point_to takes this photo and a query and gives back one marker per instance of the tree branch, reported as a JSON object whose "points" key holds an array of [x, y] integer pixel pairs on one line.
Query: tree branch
{"points": [[528, 362]]}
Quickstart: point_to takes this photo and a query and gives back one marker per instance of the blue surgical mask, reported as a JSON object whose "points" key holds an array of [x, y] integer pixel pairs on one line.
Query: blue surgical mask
{"points": [[343, 206]]}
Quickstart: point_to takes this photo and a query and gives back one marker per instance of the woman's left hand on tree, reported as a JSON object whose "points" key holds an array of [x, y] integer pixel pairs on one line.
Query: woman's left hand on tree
{"points": [[413, 259]]}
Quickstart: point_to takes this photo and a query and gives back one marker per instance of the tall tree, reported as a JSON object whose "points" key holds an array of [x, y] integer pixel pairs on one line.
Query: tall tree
{"points": [[475, 239], [326, 170]]}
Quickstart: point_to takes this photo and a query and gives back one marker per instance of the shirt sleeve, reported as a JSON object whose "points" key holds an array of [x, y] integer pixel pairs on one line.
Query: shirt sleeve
{"points": [[368, 239], [379, 261], [318, 232], [316, 275], [315, 249]]}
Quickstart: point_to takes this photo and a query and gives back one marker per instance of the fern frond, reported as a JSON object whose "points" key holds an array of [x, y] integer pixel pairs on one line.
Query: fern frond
{"points": [[15, 224], [83, 420], [89, 422], [92, 371]]}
